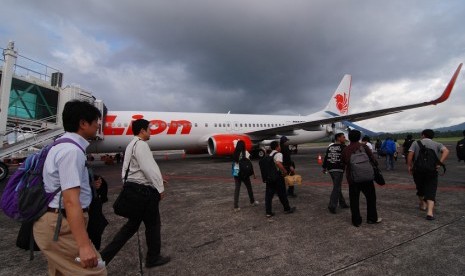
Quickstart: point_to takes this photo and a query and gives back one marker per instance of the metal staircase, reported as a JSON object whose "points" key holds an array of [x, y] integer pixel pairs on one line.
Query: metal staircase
{"points": [[36, 139]]}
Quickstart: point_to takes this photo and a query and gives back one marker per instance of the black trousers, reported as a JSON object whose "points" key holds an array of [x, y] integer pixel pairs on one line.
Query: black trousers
{"points": [[368, 190], [151, 220], [427, 185], [237, 190], [280, 188]]}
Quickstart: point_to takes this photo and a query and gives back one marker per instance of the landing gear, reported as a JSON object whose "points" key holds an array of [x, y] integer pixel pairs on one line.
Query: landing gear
{"points": [[3, 171], [258, 153], [293, 148]]}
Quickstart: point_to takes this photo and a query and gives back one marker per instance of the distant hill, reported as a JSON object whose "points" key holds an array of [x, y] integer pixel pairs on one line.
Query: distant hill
{"points": [[451, 128]]}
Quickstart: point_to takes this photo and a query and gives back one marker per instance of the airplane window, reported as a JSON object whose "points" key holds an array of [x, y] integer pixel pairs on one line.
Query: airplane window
{"points": [[195, 125], [228, 125], [206, 124], [224, 125], [250, 125], [240, 125], [253, 125], [236, 125], [215, 124]]}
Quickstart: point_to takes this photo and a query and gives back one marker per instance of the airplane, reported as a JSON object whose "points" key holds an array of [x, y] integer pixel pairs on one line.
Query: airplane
{"points": [[217, 133]]}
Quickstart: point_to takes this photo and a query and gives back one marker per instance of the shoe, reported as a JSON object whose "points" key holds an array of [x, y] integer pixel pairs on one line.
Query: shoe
{"points": [[332, 210], [255, 203], [158, 262], [375, 222], [356, 225], [429, 217], [290, 211], [237, 209], [344, 206], [293, 195], [270, 215]]}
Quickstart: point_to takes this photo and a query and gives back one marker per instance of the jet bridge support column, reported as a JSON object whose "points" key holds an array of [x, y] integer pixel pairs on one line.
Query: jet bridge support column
{"points": [[7, 76]]}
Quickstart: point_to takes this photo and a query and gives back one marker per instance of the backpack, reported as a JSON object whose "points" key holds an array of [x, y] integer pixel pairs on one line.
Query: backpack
{"points": [[461, 149], [245, 168], [268, 169], [426, 161], [361, 168], [24, 198]]}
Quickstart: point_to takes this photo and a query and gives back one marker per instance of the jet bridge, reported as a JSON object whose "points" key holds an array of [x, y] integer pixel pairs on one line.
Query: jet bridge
{"points": [[31, 102]]}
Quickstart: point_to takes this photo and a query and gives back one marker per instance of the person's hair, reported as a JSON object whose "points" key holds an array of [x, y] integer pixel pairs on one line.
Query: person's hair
{"points": [[354, 135], [464, 133], [274, 145], [138, 125], [409, 137], [240, 148], [366, 138], [75, 111], [338, 135], [428, 133]]}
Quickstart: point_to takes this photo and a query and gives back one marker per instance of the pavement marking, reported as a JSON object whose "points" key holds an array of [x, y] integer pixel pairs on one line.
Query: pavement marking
{"points": [[392, 247]]}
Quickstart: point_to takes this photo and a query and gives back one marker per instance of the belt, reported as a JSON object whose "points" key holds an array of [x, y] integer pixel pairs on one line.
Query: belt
{"points": [[56, 210]]}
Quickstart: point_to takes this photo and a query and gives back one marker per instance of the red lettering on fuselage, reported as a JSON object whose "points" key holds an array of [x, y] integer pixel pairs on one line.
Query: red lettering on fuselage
{"points": [[156, 126]]}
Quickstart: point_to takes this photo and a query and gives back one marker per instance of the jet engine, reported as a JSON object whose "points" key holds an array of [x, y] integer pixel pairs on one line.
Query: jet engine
{"points": [[224, 144]]}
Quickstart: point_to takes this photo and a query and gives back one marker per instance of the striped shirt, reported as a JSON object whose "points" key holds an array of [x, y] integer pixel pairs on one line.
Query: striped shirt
{"points": [[65, 166]]}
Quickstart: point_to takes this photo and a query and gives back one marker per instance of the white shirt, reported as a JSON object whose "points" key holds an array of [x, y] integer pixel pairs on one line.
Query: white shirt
{"points": [[65, 166], [278, 157], [143, 168]]}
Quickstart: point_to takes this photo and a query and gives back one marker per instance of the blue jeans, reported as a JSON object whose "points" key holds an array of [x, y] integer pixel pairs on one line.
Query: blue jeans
{"points": [[336, 194], [389, 161]]}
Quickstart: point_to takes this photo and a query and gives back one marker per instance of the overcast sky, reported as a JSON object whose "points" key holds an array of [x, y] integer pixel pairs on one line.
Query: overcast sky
{"points": [[251, 56]]}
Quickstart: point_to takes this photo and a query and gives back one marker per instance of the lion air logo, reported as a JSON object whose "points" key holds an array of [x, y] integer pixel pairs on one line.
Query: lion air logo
{"points": [[342, 103]]}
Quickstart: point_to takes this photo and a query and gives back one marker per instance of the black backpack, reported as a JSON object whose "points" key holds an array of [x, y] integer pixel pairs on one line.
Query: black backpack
{"points": [[245, 168], [461, 149], [426, 161], [268, 169]]}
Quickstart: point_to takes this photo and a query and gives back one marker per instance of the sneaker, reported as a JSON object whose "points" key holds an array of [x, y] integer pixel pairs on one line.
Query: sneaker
{"points": [[332, 210], [158, 262], [375, 222], [255, 203], [270, 215], [237, 209], [290, 211]]}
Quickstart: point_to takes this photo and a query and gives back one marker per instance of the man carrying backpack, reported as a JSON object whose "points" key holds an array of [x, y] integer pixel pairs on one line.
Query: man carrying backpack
{"points": [[406, 146], [277, 186], [389, 147], [366, 186], [461, 148], [426, 179], [65, 168]]}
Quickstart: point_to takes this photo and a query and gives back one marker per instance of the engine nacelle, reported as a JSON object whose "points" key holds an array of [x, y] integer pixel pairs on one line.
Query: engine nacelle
{"points": [[224, 144]]}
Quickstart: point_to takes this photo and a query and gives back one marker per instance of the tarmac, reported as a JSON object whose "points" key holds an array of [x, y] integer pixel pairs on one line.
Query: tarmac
{"points": [[205, 236]]}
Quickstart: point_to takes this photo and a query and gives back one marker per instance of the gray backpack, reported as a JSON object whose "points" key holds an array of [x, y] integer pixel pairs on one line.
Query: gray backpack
{"points": [[360, 166]]}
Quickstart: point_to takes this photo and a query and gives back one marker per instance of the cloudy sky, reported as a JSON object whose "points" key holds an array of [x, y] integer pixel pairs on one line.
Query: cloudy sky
{"points": [[243, 56]]}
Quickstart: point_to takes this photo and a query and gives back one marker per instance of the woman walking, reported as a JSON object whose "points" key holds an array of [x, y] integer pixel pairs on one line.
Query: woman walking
{"points": [[239, 153]]}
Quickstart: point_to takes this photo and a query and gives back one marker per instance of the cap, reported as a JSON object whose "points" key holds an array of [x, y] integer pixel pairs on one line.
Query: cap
{"points": [[283, 139]]}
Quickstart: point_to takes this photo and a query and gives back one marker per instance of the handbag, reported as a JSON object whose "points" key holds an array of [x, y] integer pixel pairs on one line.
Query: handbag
{"points": [[379, 179], [129, 203], [291, 180]]}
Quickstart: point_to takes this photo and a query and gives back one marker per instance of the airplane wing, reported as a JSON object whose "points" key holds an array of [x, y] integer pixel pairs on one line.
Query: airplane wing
{"points": [[288, 129]]}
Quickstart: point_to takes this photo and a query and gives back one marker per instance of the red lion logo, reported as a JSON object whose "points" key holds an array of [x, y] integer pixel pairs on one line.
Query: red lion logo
{"points": [[342, 103]]}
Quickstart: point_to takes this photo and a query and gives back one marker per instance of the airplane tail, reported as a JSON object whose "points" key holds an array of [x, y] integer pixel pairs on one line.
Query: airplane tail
{"points": [[339, 103]]}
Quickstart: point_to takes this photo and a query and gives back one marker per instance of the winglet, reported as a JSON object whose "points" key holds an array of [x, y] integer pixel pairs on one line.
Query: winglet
{"points": [[445, 95]]}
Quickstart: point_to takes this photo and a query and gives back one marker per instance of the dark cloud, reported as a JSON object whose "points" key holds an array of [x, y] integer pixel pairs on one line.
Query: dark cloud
{"points": [[245, 56]]}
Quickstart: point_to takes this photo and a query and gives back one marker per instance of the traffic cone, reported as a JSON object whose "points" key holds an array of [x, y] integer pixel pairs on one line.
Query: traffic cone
{"points": [[320, 161]]}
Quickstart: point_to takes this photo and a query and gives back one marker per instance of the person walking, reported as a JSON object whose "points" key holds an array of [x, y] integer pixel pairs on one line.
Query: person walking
{"points": [[406, 146], [366, 187], [279, 186], [144, 178], [426, 183], [288, 164], [65, 168], [239, 153], [332, 163], [389, 147]]}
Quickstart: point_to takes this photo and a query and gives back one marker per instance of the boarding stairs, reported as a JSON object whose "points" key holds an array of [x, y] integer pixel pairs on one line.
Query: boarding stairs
{"points": [[40, 132]]}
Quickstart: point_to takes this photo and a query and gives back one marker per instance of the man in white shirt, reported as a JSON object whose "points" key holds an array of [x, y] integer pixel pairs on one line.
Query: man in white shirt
{"points": [[65, 168], [145, 181], [279, 186]]}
